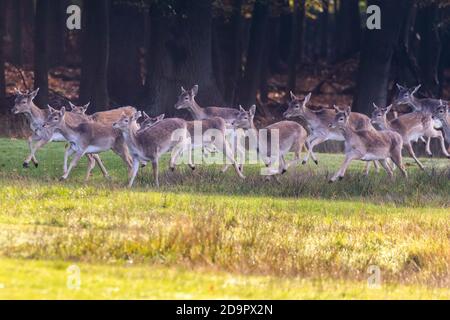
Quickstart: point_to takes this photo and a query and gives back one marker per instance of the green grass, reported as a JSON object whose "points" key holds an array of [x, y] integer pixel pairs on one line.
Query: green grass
{"points": [[202, 230]]}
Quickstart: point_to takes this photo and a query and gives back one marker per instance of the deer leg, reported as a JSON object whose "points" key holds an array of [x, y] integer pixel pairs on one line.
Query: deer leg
{"points": [[387, 168], [99, 161], [39, 144], [91, 165], [442, 143], [72, 164], [67, 153], [410, 150], [133, 172], [367, 169], [313, 142], [396, 157], [341, 172], [155, 171], [427, 147], [423, 139], [229, 155]]}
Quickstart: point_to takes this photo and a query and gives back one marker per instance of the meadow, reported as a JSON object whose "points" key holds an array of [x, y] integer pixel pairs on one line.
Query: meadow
{"points": [[204, 234]]}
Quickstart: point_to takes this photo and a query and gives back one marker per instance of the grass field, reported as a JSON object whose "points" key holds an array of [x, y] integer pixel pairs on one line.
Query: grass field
{"points": [[208, 235]]}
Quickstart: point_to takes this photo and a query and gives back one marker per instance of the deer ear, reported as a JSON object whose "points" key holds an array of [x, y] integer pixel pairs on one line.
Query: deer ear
{"points": [[375, 106], [86, 105], [336, 108], [161, 116], [416, 89], [33, 94], [62, 111], [252, 110], [145, 115], [388, 108], [399, 87], [194, 90], [50, 108], [293, 97], [307, 98], [241, 109], [348, 110], [183, 90]]}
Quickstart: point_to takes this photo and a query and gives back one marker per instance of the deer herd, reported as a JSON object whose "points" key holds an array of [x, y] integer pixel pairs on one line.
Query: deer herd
{"points": [[138, 138]]}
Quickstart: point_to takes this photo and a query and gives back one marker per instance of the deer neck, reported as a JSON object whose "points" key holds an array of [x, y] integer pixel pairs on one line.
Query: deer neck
{"points": [[35, 114], [68, 131], [130, 135], [197, 112], [385, 125]]}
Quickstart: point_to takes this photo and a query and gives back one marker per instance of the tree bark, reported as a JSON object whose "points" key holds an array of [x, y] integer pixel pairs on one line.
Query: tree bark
{"points": [[258, 36], [349, 29], [180, 55], [57, 29], [324, 30], [124, 71], [376, 55], [41, 51], [3, 106], [95, 54], [430, 48]]}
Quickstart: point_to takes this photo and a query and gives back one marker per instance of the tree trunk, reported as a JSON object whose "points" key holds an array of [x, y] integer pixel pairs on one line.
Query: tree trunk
{"points": [[377, 50], [180, 55], [430, 48], [124, 72], [349, 28], [324, 30], [258, 36], [56, 37], [95, 54], [292, 60], [41, 51], [3, 106], [17, 52]]}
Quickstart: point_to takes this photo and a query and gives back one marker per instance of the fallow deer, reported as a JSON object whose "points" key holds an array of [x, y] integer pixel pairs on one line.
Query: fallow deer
{"points": [[41, 136], [106, 117], [151, 143], [442, 115], [367, 145], [211, 131], [318, 124], [86, 138], [292, 137], [186, 100], [411, 126]]}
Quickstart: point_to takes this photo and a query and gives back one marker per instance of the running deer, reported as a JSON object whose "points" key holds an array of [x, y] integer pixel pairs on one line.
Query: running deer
{"points": [[186, 100], [107, 117], [442, 116], [212, 133], [151, 143], [367, 145], [318, 124], [41, 136], [86, 138], [411, 126], [292, 137]]}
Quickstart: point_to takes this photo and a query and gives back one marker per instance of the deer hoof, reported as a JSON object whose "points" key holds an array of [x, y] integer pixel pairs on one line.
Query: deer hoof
{"points": [[172, 169], [283, 171], [192, 168], [26, 165], [430, 155], [62, 178], [36, 164], [340, 178], [316, 162], [303, 162], [330, 181]]}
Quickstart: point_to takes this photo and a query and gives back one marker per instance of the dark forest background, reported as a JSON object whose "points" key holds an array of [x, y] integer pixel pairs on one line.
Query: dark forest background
{"points": [[239, 52]]}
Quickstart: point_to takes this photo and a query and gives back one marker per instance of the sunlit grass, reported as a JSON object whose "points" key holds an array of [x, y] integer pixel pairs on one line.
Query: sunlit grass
{"points": [[206, 227]]}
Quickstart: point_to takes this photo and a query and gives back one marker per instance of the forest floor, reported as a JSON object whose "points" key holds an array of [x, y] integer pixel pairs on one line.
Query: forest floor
{"points": [[204, 234]]}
